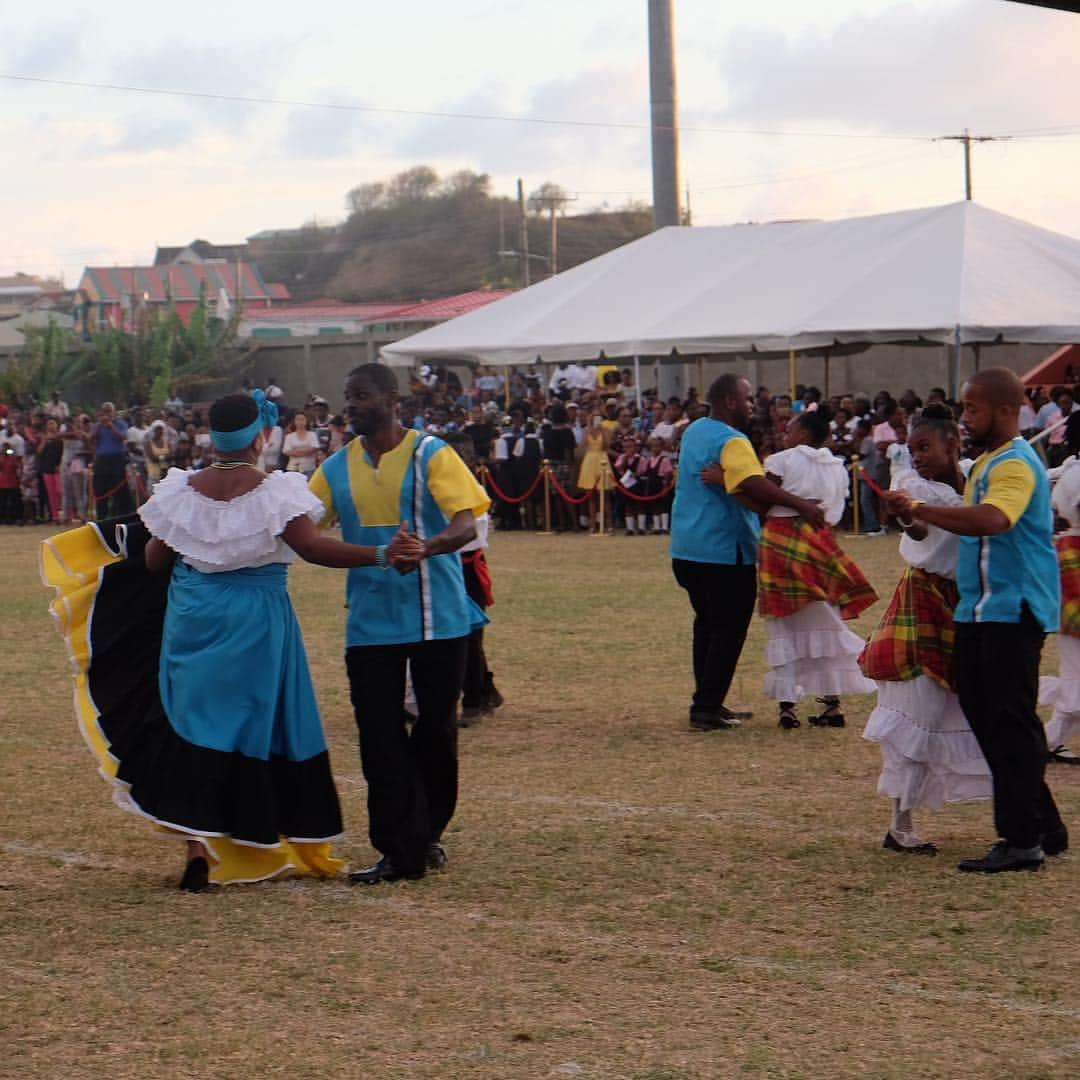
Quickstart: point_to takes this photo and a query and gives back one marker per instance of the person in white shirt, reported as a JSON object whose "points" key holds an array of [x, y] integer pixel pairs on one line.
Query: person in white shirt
{"points": [[273, 392], [301, 447], [270, 457], [56, 408]]}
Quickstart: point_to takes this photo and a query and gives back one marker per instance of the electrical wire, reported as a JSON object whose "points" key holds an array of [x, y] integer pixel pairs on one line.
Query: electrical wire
{"points": [[440, 114]]}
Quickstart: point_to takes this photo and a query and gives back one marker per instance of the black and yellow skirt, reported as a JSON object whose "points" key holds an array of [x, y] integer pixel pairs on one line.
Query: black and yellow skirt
{"points": [[244, 766]]}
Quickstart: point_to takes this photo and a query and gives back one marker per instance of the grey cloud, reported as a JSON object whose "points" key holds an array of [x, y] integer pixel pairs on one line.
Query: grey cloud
{"points": [[45, 49]]}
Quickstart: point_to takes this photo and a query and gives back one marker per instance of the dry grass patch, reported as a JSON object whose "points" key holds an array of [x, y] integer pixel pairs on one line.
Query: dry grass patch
{"points": [[626, 898]]}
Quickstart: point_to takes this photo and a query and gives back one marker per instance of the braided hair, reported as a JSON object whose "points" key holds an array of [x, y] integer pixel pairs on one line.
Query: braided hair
{"points": [[939, 418], [816, 422]]}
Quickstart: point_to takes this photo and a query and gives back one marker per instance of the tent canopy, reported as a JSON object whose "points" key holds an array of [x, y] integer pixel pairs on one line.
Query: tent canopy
{"points": [[956, 273]]}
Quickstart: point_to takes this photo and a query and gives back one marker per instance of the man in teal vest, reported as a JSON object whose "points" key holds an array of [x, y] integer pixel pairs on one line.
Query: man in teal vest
{"points": [[1009, 600], [720, 492]]}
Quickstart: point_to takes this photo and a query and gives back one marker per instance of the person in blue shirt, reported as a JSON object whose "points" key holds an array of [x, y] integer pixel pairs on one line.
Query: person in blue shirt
{"points": [[390, 475], [720, 491], [112, 496], [1009, 587]]}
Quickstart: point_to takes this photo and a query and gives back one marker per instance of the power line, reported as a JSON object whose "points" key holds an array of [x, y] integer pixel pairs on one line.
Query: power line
{"points": [[438, 114]]}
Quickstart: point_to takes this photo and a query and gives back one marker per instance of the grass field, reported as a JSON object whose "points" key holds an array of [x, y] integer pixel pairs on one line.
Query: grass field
{"points": [[625, 898]]}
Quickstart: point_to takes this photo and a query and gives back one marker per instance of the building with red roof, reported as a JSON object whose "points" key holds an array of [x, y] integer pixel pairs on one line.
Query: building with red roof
{"points": [[110, 296]]}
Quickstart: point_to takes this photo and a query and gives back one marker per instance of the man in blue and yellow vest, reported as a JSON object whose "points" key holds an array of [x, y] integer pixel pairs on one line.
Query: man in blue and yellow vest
{"points": [[1009, 599], [386, 478]]}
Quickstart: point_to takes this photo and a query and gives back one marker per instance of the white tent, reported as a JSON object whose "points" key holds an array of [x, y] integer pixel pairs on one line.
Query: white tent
{"points": [[949, 274]]}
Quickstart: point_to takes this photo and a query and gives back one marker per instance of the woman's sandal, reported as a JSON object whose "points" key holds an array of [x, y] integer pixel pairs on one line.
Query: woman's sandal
{"points": [[831, 716], [788, 720]]}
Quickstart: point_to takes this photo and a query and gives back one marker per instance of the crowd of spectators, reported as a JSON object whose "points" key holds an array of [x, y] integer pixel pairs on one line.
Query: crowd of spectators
{"points": [[602, 440], [63, 466]]}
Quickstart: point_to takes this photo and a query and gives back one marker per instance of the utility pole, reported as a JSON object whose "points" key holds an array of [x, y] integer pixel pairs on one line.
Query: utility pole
{"points": [[664, 113], [552, 198], [523, 232], [967, 139]]}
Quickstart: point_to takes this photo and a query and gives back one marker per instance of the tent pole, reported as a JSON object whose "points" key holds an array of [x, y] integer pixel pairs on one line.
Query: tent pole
{"points": [[637, 382], [701, 388], [793, 373], [506, 388], [978, 355], [827, 387], [954, 378]]}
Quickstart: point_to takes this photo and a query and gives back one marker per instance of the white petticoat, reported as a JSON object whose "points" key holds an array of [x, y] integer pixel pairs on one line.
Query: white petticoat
{"points": [[813, 652], [1063, 692], [930, 753]]}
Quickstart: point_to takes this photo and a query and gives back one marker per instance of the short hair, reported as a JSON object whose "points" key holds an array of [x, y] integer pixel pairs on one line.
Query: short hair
{"points": [[1001, 386], [233, 412], [723, 387], [558, 414], [379, 375]]}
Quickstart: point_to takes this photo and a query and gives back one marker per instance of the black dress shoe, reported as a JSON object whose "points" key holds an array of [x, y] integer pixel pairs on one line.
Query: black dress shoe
{"points": [[892, 844], [196, 875], [1003, 857], [436, 857], [736, 714], [383, 870], [712, 719], [1055, 842]]}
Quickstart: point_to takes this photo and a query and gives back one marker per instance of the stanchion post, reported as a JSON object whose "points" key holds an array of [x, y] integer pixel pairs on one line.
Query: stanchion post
{"points": [[855, 507], [603, 484], [546, 466]]}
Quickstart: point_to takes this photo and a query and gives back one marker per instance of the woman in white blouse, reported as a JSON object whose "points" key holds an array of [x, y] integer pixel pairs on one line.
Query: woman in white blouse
{"points": [[301, 447]]}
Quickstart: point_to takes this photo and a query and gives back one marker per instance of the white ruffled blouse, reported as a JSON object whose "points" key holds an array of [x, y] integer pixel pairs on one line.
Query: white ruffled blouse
{"points": [[811, 473], [938, 553], [214, 536]]}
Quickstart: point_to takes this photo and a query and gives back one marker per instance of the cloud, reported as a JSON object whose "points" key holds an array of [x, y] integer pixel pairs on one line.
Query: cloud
{"points": [[906, 69], [618, 94], [45, 49]]}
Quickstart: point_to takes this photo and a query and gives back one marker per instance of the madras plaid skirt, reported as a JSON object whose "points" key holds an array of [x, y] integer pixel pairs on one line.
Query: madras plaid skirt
{"points": [[800, 565], [1068, 548], [916, 634]]}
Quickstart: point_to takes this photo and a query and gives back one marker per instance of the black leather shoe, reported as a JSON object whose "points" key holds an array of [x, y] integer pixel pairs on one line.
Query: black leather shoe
{"points": [[712, 720], [736, 714], [1055, 842], [436, 857], [383, 870], [196, 875], [1003, 857]]}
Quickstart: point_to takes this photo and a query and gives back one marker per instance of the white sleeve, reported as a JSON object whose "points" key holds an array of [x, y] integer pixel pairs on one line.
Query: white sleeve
{"points": [[775, 463], [1066, 496]]}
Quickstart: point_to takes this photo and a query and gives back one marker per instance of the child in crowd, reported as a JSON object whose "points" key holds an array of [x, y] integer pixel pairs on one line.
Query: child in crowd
{"points": [[863, 440], [655, 474], [807, 586], [628, 466], [930, 753], [1063, 690]]}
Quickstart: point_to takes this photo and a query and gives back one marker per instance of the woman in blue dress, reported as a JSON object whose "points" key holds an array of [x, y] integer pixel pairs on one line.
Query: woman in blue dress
{"points": [[192, 687]]}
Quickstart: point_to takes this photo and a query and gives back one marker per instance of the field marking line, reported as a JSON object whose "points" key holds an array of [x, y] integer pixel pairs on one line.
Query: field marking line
{"points": [[68, 858]]}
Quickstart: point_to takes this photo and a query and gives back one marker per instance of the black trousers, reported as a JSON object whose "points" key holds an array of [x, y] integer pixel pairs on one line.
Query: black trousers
{"points": [[723, 600], [997, 674], [412, 777], [10, 506], [474, 687], [110, 476]]}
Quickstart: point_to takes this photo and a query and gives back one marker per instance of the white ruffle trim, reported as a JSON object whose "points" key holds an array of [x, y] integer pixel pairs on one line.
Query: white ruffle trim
{"points": [[1062, 691], [822, 677], [931, 755], [225, 534]]}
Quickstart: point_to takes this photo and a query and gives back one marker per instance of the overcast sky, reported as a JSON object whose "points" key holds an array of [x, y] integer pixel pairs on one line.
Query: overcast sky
{"points": [[101, 177]]}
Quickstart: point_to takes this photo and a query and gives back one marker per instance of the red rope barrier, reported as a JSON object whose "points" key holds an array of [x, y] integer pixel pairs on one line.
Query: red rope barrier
{"points": [[112, 492], [644, 498], [517, 498], [567, 497]]}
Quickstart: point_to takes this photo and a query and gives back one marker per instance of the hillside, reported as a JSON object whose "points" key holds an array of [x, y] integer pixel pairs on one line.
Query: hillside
{"points": [[421, 236]]}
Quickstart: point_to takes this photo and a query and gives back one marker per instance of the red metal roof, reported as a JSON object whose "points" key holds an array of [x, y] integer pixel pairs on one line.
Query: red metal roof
{"points": [[448, 307], [180, 282], [326, 310]]}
